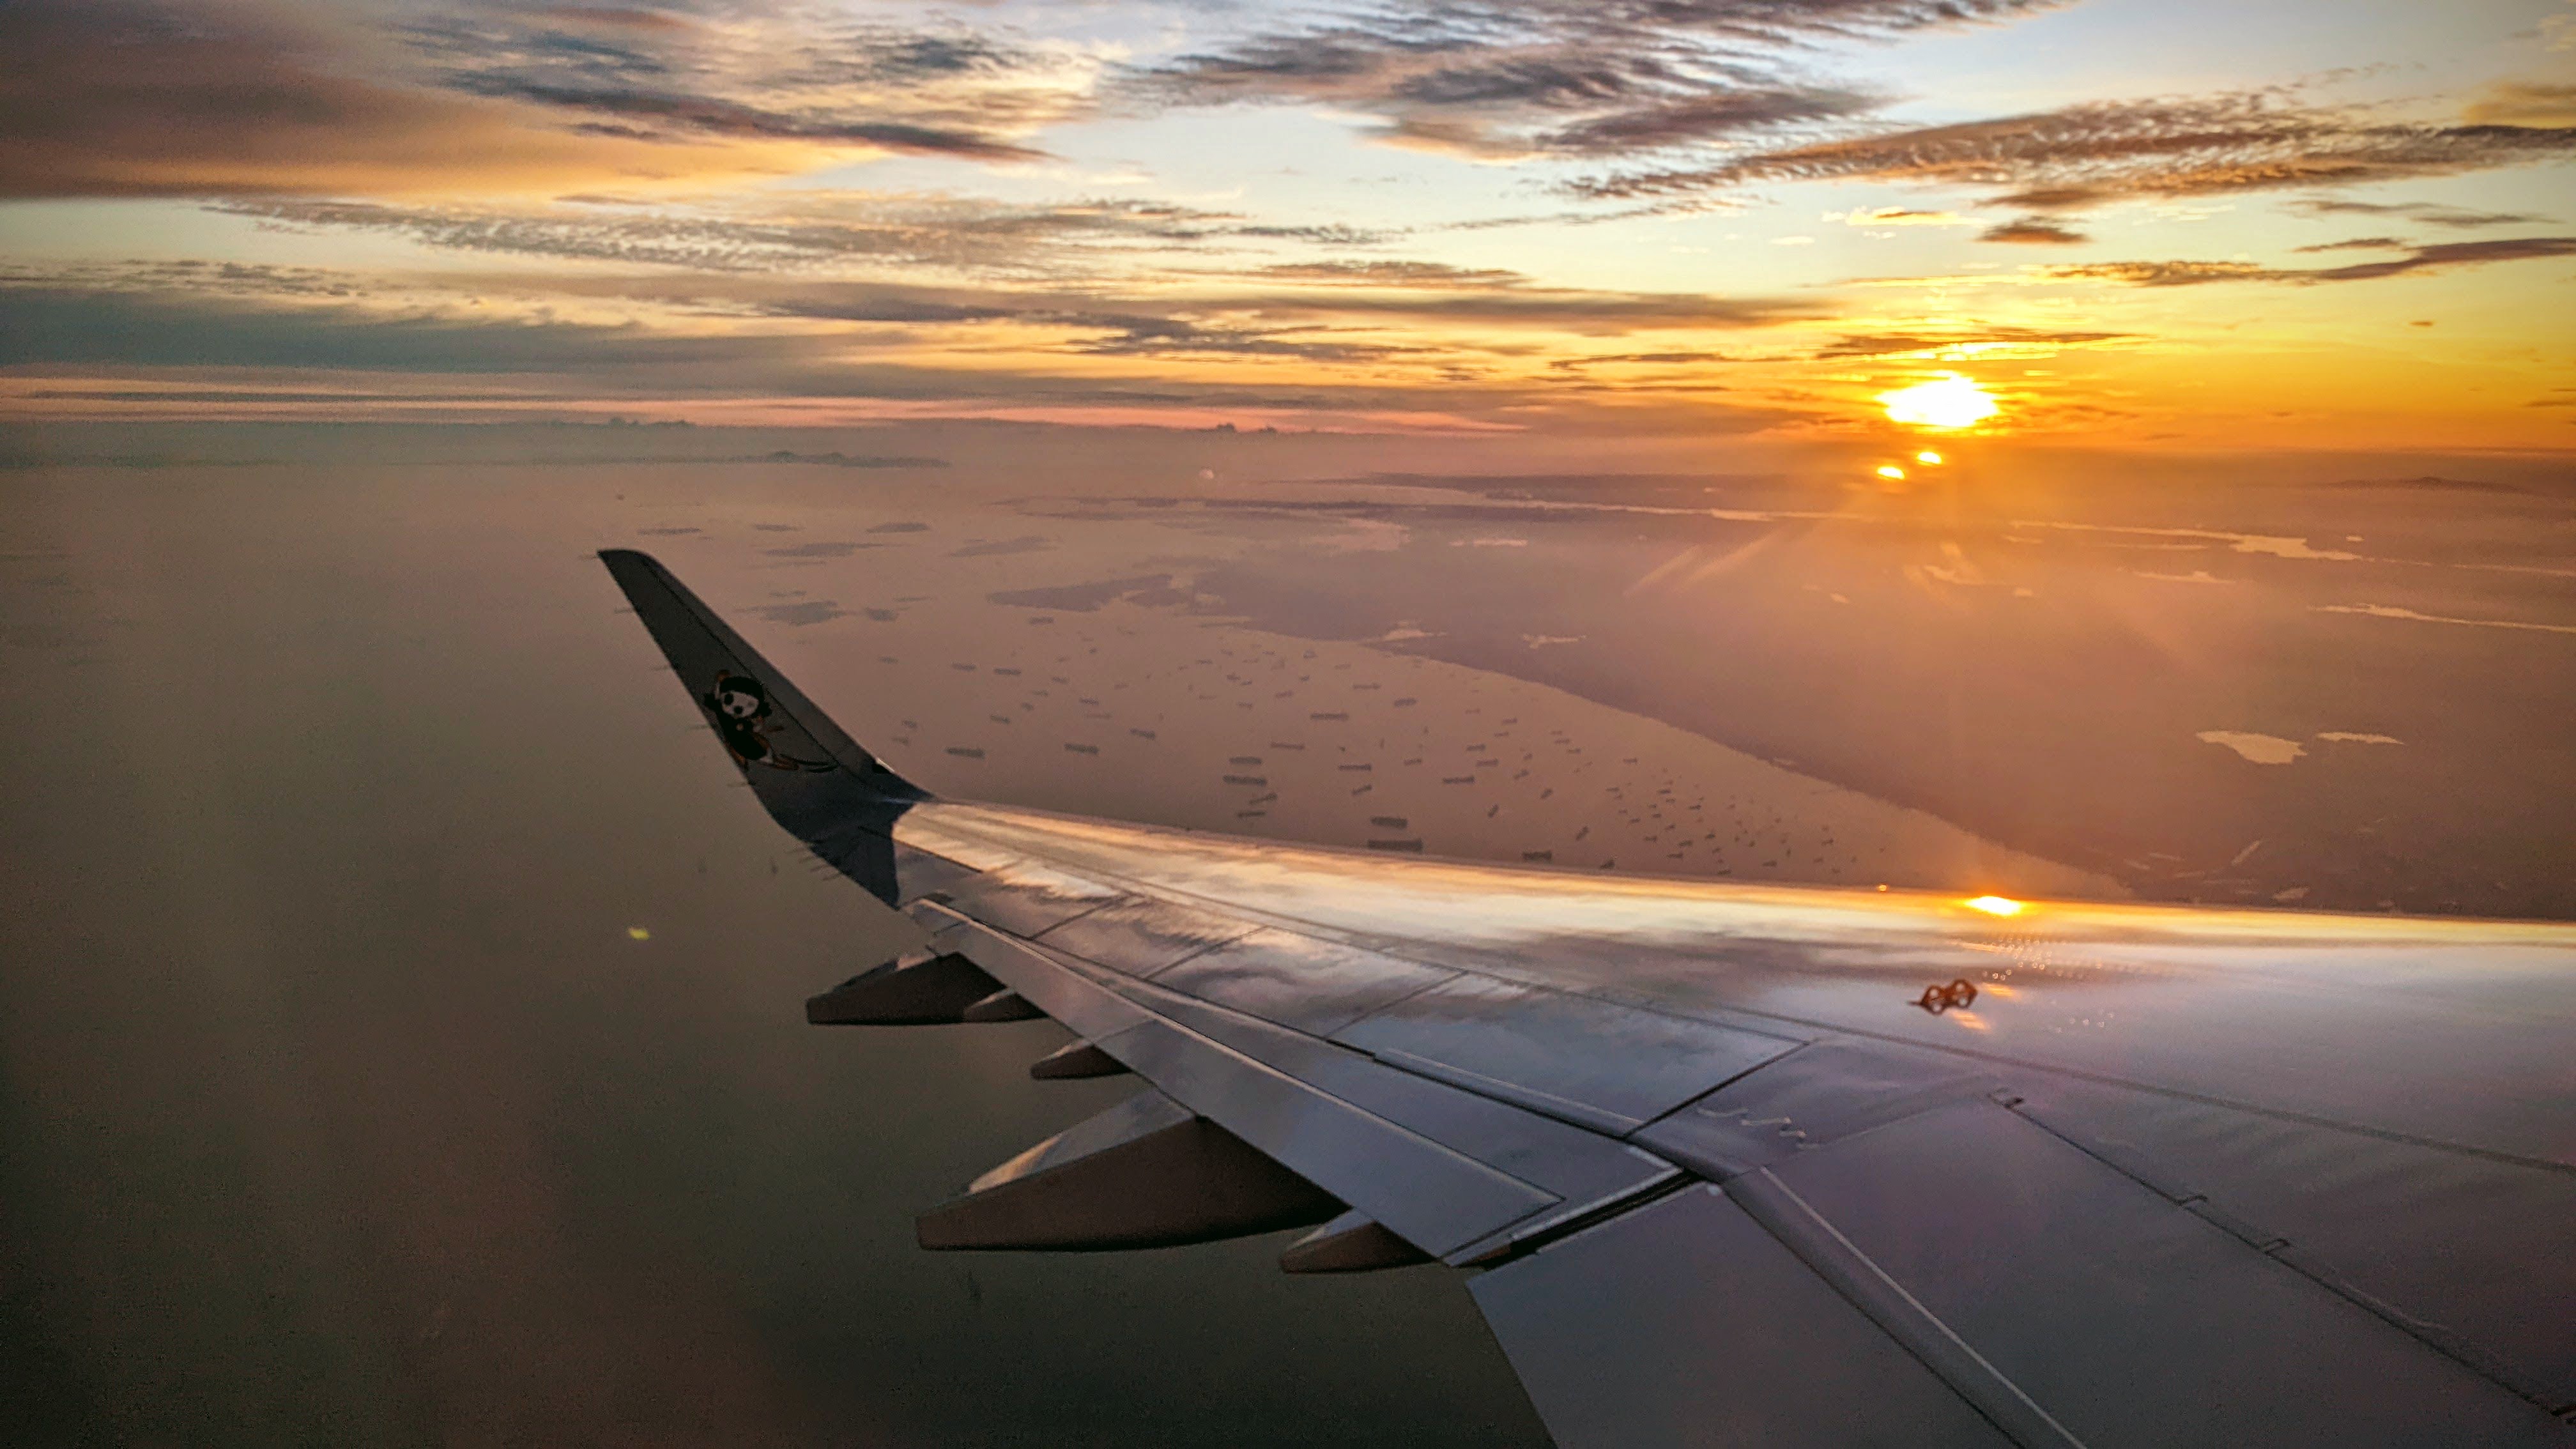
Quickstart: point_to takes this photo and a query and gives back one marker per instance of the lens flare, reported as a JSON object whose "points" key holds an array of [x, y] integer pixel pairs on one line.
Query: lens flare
{"points": [[1948, 401], [1891, 471], [1929, 459]]}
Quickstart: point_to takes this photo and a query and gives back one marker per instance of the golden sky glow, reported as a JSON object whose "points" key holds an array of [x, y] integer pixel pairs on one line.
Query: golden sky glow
{"points": [[1901, 216]]}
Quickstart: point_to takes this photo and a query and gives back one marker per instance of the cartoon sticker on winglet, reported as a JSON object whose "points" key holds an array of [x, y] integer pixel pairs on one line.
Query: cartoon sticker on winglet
{"points": [[742, 712]]}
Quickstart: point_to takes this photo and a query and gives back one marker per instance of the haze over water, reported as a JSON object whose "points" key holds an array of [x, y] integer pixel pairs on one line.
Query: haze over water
{"points": [[341, 1105], [343, 1101]]}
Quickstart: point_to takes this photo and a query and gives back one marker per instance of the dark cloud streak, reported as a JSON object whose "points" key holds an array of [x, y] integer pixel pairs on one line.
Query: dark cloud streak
{"points": [[709, 115], [2088, 155], [2033, 231], [2437, 257], [1559, 77], [145, 98], [783, 77], [960, 234], [2429, 213], [1013, 243], [2355, 244]]}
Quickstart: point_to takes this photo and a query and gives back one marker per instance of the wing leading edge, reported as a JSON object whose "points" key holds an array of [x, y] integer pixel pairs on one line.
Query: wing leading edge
{"points": [[2171, 1177]]}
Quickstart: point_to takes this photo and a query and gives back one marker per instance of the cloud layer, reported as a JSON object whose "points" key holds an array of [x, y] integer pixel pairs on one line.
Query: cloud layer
{"points": [[805, 77], [1563, 78], [2438, 257], [125, 98], [2088, 155], [239, 98], [1022, 205]]}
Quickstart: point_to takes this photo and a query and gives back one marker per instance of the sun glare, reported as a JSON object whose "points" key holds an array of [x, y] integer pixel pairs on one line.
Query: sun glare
{"points": [[1950, 401], [1995, 905], [1928, 458], [1892, 472]]}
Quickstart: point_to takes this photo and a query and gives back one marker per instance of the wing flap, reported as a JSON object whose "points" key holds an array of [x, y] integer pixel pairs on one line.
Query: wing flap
{"points": [[1958, 1275], [1451, 1172], [1574, 1172], [2123, 1317], [1437, 1199], [1807, 1099], [1684, 1323], [2475, 1255], [1617, 1067]]}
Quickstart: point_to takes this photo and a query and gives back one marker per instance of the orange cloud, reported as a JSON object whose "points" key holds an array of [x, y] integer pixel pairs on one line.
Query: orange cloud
{"points": [[2524, 103], [120, 99]]}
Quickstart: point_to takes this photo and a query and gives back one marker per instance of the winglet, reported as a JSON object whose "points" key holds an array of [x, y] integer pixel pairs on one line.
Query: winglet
{"points": [[814, 780]]}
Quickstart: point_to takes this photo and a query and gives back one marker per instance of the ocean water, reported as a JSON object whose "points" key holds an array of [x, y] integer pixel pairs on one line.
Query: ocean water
{"points": [[400, 1001], [340, 1104]]}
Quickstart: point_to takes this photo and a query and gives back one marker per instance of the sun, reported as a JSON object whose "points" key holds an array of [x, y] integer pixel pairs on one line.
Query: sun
{"points": [[1948, 401]]}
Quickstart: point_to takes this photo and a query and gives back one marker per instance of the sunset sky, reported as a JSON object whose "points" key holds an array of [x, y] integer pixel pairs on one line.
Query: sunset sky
{"points": [[2132, 223]]}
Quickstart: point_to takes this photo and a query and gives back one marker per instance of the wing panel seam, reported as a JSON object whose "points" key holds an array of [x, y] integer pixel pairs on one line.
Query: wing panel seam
{"points": [[1241, 1062], [2290, 1255], [1860, 1280], [1528, 1099], [1807, 1029]]}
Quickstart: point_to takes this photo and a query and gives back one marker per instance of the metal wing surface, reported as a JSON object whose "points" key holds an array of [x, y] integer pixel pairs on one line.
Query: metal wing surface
{"points": [[1766, 1166]]}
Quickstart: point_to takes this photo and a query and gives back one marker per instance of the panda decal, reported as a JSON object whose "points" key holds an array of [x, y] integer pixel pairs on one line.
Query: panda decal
{"points": [[742, 712]]}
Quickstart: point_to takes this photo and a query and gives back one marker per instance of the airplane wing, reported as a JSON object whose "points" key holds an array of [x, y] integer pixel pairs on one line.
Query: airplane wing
{"points": [[1761, 1165]]}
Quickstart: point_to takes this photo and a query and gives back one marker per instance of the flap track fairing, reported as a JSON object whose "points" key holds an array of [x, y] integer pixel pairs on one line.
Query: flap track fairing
{"points": [[921, 989], [1351, 1243], [1003, 1005], [1073, 1061], [1147, 1173]]}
